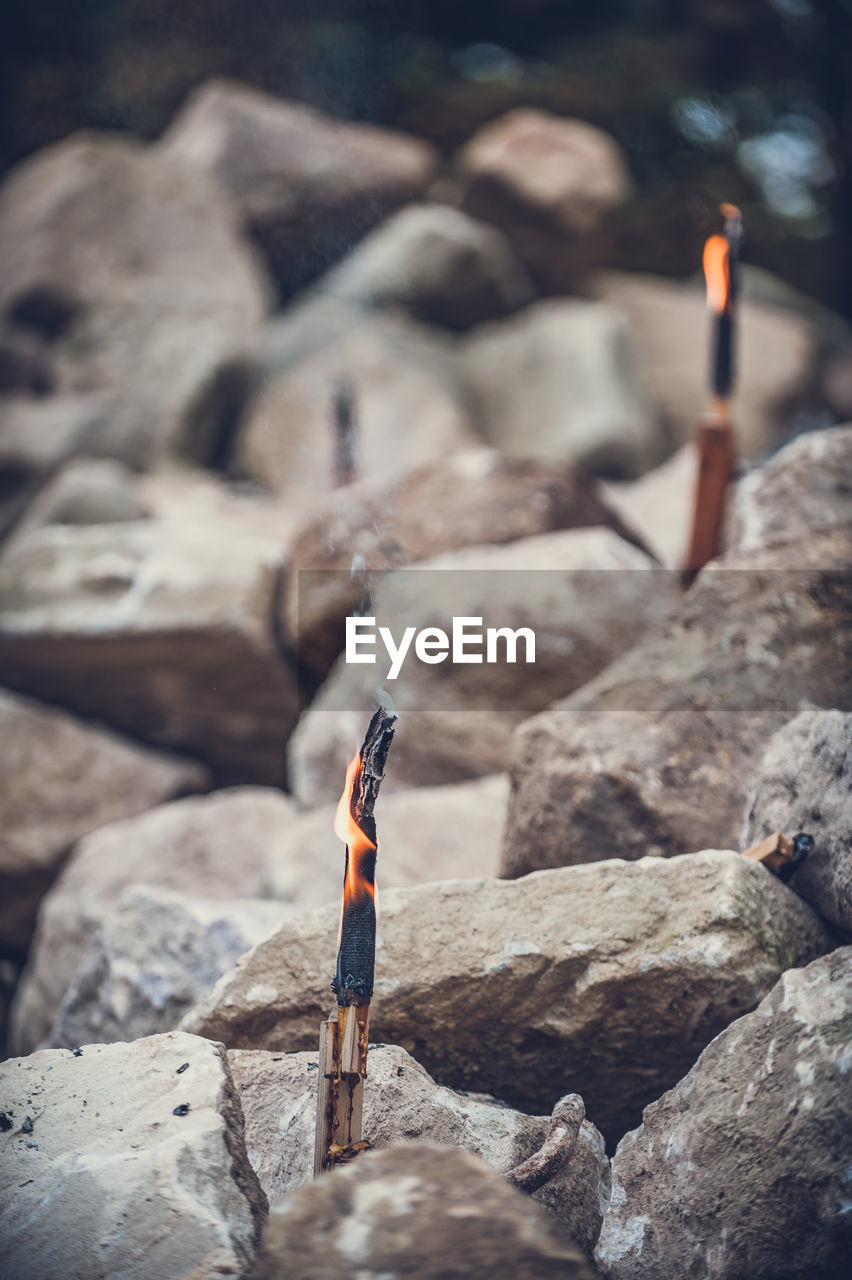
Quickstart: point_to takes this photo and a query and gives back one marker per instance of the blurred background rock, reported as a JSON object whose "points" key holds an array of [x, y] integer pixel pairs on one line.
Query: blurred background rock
{"points": [[746, 100]]}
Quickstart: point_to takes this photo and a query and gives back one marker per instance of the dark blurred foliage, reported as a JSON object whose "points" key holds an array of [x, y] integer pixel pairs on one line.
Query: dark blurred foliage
{"points": [[744, 100]]}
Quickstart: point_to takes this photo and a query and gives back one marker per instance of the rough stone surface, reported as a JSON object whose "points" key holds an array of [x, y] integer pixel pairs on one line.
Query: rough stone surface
{"points": [[605, 980], [160, 627], [760, 285], [390, 1213], [658, 506], [163, 299], [804, 784], [155, 955], [546, 182], [436, 263], [157, 952], [89, 491], [86, 491], [36, 435], [408, 410], [584, 593], [743, 1168], [311, 323], [833, 390], [559, 380], [100, 1176], [806, 486], [475, 498], [403, 1103], [305, 186], [217, 845], [59, 779], [657, 753], [427, 833], [670, 329], [438, 748], [25, 362], [191, 495]]}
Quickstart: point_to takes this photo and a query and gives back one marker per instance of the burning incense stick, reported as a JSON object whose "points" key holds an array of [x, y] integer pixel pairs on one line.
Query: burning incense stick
{"points": [[344, 1037], [345, 434], [715, 433], [721, 271]]}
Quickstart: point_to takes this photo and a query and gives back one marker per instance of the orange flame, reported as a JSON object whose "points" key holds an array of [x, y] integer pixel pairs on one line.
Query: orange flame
{"points": [[717, 272], [357, 843]]}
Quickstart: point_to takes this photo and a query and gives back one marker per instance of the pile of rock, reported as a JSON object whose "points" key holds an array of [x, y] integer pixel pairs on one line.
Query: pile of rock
{"points": [[177, 324]]}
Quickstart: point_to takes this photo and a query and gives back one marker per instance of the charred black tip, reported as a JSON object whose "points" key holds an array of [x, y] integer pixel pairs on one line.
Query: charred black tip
{"points": [[723, 355], [350, 989]]}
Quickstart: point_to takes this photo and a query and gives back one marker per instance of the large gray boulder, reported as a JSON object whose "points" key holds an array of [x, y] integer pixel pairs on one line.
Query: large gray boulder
{"points": [[807, 485], [408, 409], [402, 1103], [218, 845], [60, 779], [833, 393], [436, 263], [585, 594], [130, 262], [743, 1168], [548, 183], [158, 951], [434, 749], [659, 504], [559, 380], [657, 754], [85, 491], [155, 955], [478, 497], [26, 366], [125, 1159], [606, 980], [161, 627], [428, 833], [37, 435], [305, 186], [390, 1214], [311, 323], [804, 784], [94, 491]]}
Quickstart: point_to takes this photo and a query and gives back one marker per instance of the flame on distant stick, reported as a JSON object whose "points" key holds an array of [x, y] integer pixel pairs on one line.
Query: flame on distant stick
{"points": [[717, 272], [715, 433], [721, 255]]}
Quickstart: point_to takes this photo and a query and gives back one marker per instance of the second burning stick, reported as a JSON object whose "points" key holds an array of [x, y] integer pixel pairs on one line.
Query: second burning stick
{"points": [[344, 1037]]}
